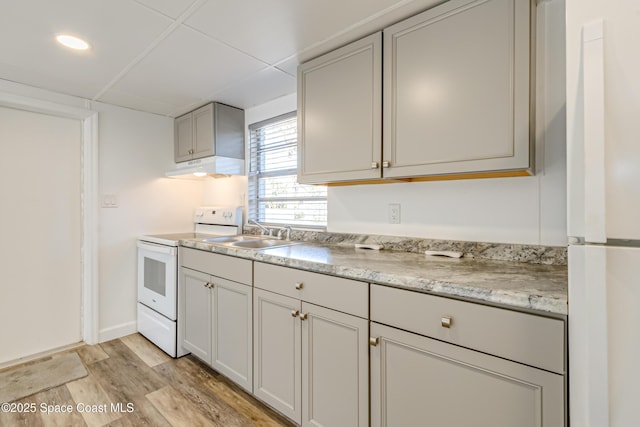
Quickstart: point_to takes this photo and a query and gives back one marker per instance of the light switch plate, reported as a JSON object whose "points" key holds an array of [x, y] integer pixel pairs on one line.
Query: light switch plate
{"points": [[109, 201]]}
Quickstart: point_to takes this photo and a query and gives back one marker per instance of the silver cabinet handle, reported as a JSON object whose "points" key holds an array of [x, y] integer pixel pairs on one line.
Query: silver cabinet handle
{"points": [[303, 316], [446, 322], [208, 285], [386, 164], [373, 342], [375, 165], [299, 285], [295, 313]]}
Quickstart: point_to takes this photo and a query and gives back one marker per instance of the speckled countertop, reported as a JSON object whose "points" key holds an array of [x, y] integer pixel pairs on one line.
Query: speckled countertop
{"points": [[517, 285]]}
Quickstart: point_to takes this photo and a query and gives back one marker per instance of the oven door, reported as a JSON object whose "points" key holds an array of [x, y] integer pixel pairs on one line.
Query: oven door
{"points": [[158, 277]]}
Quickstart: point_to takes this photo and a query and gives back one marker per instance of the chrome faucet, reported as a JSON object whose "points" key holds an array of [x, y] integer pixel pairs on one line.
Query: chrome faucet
{"points": [[287, 229], [264, 229]]}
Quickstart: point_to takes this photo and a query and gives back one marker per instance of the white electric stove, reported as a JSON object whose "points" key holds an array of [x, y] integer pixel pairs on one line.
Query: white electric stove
{"points": [[158, 273]]}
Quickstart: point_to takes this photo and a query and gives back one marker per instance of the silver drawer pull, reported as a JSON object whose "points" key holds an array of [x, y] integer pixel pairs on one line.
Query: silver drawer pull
{"points": [[299, 285], [295, 313], [375, 165], [446, 322], [303, 316], [374, 341]]}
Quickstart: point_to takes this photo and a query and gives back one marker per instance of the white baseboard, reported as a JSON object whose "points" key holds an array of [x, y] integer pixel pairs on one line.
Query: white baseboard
{"points": [[118, 331]]}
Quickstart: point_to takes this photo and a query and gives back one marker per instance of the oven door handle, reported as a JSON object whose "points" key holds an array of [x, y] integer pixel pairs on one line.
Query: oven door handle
{"points": [[152, 247]]}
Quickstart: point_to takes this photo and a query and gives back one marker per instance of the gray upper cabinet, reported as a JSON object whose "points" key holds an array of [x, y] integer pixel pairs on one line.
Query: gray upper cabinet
{"points": [[339, 114], [457, 90], [212, 130], [456, 98]]}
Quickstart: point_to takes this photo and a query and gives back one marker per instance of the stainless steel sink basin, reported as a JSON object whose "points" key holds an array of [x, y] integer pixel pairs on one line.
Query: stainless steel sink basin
{"points": [[230, 239], [262, 243], [249, 242]]}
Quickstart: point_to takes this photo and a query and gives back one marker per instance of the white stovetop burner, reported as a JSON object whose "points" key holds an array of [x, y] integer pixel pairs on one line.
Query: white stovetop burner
{"points": [[208, 220]]}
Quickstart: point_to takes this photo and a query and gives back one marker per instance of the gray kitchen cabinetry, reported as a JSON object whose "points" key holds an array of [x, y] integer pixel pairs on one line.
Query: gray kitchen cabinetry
{"points": [[310, 346], [215, 312], [212, 130], [456, 99], [459, 364], [339, 114], [457, 90]]}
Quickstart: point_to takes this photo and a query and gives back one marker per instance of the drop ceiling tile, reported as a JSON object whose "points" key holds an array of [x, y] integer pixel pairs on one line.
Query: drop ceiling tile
{"points": [[275, 30], [289, 66], [171, 8], [143, 104], [263, 86], [187, 65], [117, 30]]}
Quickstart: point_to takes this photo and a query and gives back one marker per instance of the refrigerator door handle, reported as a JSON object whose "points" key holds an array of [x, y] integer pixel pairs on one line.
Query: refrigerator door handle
{"points": [[594, 132]]}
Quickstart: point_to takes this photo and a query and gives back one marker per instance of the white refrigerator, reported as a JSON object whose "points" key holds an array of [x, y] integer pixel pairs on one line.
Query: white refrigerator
{"points": [[603, 148]]}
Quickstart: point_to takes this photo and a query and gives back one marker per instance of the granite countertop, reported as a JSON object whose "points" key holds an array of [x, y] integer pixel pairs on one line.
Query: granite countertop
{"points": [[517, 285]]}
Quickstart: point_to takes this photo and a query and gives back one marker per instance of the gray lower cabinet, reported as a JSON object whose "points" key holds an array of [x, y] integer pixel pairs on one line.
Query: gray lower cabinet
{"points": [[215, 314], [276, 352], [438, 361], [195, 321], [311, 362], [417, 380]]}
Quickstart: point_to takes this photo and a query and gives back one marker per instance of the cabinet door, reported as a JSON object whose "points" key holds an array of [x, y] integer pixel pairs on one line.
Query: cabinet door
{"points": [[335, 368], [183, 138], [419, 381], [339, 114], [231, 331], [195, 322], [276, 352], [457, 90], [203, 142]]}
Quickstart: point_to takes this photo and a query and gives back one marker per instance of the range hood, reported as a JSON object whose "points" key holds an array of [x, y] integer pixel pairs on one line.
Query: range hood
{"points": [[215, 166]]}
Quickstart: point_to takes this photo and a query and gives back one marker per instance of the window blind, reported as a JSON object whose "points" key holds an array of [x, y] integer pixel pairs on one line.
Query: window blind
{"points": [[275, 197]]}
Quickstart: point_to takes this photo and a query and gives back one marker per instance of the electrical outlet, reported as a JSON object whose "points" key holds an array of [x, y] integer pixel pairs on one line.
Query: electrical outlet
{"points": [[394, 213]]}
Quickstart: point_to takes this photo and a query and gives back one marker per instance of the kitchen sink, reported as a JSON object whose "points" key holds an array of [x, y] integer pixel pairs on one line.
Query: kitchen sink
{"points": [[230, 239], [249, 242], [262, 243]]}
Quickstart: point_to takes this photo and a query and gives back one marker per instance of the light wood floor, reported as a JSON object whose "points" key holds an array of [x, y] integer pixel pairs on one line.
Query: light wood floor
{"points": [[156, 389]]}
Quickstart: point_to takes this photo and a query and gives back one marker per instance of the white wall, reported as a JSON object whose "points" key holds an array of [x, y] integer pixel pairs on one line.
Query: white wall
{"points": [[528, 210], [225, 191], [134, 152]]}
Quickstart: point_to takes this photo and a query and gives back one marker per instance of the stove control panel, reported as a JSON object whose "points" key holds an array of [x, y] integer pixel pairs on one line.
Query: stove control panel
{"points": [[214, 215]]}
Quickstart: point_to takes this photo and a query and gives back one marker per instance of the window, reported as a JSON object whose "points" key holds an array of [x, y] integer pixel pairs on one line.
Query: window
{"points": [[275, 197]]}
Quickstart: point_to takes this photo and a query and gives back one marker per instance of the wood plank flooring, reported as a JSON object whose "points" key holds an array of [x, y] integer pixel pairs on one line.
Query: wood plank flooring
{"points": [[133, 383]]}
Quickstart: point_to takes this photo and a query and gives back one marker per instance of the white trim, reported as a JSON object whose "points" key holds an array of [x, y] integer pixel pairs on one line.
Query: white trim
{"points": [[89, 118], [90, 280], [118, 331]]}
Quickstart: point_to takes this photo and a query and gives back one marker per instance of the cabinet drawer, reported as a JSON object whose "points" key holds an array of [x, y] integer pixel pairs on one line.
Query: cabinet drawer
{"points": [[349, 296], [525, 338], [232, 268]]}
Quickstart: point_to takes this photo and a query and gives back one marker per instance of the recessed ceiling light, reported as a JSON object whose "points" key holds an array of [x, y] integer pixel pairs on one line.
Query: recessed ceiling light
{"points": [[72, 42]]}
